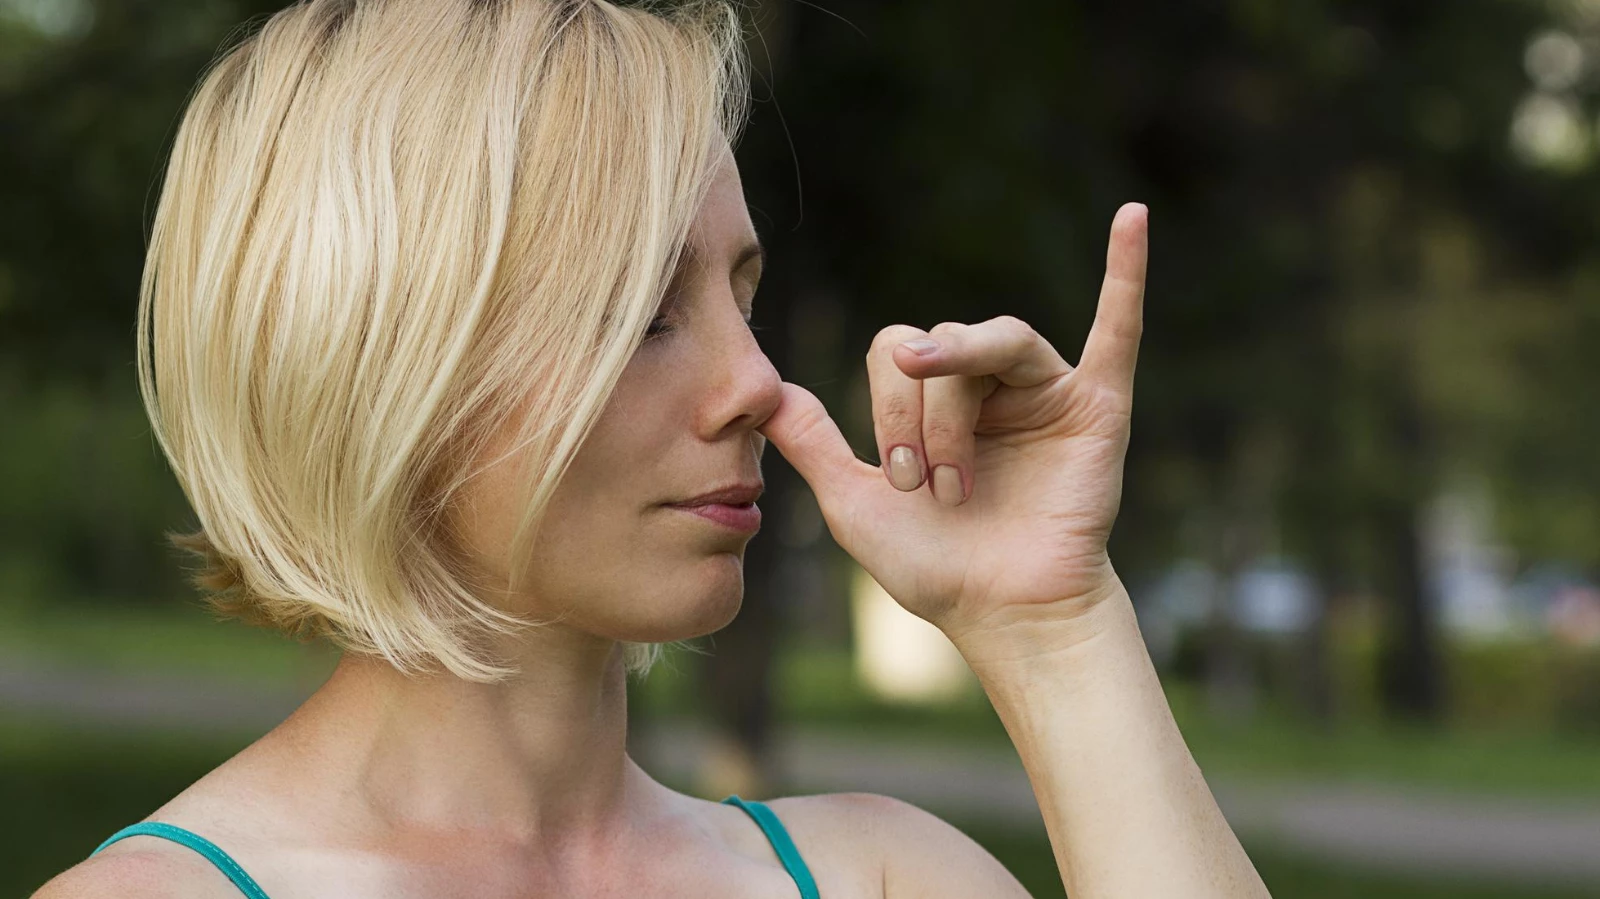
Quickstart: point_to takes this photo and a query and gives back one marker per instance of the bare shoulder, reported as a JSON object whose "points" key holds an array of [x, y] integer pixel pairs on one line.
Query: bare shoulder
{"points": [[912, 852], [135, 872], [150, 867]]}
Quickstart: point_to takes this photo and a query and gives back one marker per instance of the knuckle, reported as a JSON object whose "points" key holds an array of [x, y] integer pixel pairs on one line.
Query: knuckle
{"points": [[1019, 331], [891, 336], [943, 432], [897, 415], [946, 327]]}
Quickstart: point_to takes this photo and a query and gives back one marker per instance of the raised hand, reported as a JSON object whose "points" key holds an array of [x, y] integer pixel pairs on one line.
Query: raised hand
{"points": [[1015, 529]]}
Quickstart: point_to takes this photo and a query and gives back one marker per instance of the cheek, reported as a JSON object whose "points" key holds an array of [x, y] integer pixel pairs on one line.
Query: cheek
{"points": [[656, 396], [611, 558], [631, 575], [484, 520]]}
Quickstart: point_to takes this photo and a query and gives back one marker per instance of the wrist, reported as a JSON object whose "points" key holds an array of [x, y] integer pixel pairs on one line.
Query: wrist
{"points": [[1055, 632]]}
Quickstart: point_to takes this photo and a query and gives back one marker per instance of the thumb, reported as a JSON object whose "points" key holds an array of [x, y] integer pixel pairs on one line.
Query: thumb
{"points": [[802, 430]]}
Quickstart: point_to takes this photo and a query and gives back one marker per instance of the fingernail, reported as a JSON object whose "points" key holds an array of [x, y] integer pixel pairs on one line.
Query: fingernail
{"points": [[947, 485], [922, 346], [905, 469]]}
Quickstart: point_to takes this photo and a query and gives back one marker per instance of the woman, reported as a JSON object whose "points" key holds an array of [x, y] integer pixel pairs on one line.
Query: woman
{"points": [[443, 331]]}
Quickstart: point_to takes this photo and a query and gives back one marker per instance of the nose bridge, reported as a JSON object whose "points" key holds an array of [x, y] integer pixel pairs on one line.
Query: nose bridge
{"points": [[747, 386]]}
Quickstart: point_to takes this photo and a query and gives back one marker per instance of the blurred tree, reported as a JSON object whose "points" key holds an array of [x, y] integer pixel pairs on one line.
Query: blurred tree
{"points": [[964, 166], [1375, 269]]}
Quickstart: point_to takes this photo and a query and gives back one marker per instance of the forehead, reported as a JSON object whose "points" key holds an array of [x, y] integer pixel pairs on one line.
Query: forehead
{"points": [[723, 218]]}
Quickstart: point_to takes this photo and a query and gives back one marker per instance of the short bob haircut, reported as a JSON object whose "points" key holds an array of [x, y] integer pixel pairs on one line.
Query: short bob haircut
{"points": [[387, 229]]}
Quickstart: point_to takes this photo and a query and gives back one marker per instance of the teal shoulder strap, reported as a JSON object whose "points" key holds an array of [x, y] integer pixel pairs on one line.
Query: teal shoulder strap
{"points": [[763, 816], [779, 838], [196, 842]]}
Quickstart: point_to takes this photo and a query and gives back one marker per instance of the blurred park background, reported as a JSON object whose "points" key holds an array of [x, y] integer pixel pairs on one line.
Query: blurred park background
{"points": [[1361, 523]]}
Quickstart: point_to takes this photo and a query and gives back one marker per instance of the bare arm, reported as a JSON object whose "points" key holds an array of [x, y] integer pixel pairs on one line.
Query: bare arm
{"points": [[882, 843], [132, 873], [1126, 807], [1128, 811]]}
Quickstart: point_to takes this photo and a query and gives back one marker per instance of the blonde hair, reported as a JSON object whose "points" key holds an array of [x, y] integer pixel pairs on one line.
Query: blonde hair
{"points": [[387, 228]]}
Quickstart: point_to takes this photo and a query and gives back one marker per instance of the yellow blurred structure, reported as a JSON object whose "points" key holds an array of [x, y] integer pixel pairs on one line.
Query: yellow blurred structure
{"points": [[899, 657]]}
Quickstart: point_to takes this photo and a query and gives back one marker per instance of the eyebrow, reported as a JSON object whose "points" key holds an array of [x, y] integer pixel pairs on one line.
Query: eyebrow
{"points": [[753, 250]]}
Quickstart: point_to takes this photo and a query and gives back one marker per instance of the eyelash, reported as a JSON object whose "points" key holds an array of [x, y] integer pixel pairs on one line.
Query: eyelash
{"points": [[661, 325], [658, 326]]}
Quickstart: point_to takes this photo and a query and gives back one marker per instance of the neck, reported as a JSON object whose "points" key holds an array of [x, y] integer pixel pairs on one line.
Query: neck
{"points": [[525, 760]]}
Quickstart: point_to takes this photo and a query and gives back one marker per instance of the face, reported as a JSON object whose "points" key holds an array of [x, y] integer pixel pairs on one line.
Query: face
{"points": [[618, 559]]}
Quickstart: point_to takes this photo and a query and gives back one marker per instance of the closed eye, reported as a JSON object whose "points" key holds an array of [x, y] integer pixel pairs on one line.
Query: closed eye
{"points": [[658, 326]]}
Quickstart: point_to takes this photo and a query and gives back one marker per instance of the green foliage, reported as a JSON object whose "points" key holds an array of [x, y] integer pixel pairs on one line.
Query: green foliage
{"points": [[1339, 222], [1526, 684], [167, 639], [86, 500], [67, 789]]}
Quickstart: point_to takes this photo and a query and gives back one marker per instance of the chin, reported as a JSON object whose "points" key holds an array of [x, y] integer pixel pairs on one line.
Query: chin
{"points": [[722, 615], [711, 615], [690, 613]]}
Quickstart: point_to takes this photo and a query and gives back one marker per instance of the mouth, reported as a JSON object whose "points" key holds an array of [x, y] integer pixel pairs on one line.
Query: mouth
{"points": [[742, 494], [743, 517], [732, 506]]}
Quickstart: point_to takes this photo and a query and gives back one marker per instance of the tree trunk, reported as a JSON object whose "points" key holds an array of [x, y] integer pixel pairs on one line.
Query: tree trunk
{"points": [[1409, 671]]}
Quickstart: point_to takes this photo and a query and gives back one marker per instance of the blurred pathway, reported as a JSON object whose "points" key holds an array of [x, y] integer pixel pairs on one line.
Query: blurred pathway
{"points": [[1368, 824], [1372, 825]]}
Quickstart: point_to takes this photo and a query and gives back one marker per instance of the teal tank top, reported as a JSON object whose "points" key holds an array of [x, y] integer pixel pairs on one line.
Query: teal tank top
{"points": [[763, 816]]}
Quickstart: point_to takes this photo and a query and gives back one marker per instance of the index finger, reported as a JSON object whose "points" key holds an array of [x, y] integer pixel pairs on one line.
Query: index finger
{"points": [[1112, 349]]}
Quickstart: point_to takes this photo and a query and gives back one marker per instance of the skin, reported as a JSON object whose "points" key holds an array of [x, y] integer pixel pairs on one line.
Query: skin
{"points": [[386, 786]]}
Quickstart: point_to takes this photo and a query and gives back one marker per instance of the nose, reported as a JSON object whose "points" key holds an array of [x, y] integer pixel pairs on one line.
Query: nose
{"points": [[746, 387]]}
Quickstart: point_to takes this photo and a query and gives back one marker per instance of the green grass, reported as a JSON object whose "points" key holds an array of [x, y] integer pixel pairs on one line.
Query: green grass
{"points": [[817, 688], [1288, 875], [1279, 744], [172, 639]]}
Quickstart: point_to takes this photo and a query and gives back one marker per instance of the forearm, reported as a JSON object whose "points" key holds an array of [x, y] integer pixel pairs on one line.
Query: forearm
{"points": [[1128, 812]]}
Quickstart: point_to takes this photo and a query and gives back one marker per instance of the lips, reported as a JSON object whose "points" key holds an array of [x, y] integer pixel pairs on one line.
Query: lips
{"points": [[745, 518], [735, 495], [732, 507]]}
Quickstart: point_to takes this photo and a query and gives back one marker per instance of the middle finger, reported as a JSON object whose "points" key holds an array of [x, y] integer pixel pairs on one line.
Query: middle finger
{"points": [[950, 408], [896, 410]]}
